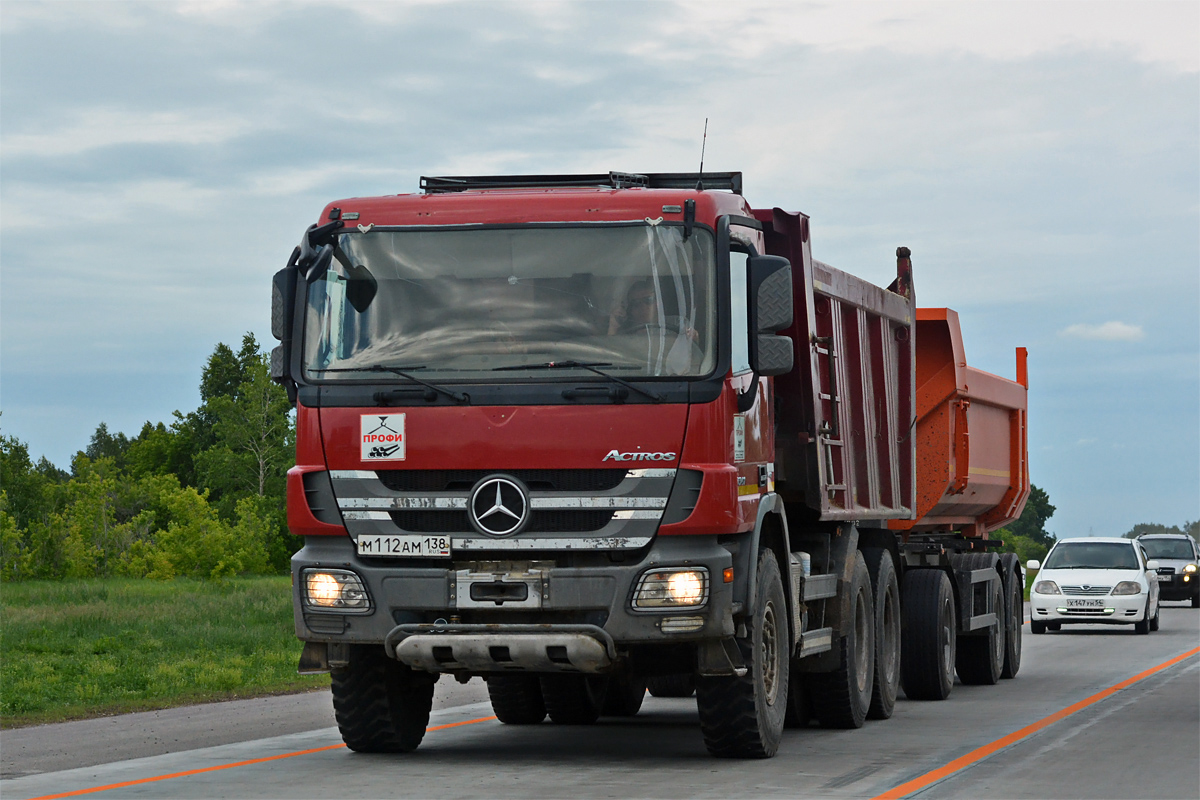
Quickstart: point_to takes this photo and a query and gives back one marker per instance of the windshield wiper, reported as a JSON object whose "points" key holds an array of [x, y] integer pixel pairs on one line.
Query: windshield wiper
{"points": [[590, 367], [403, 372]]}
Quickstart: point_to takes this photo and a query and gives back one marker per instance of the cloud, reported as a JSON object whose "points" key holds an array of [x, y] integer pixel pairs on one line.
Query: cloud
{"points": [[1105, 332], [107, 127]]}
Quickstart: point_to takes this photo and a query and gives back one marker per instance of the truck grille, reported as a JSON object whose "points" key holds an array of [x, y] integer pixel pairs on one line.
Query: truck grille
{"points": [[1087, 591], [567, 521], [538, 480]]}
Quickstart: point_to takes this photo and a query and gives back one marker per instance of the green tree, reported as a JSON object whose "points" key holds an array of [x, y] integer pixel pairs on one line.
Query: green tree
{"points": [[1027, 535]]}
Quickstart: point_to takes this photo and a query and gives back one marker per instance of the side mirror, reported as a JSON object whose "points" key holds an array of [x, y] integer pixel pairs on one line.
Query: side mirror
{"points": [[1152, 566], [770, 295], [1033, 565]]}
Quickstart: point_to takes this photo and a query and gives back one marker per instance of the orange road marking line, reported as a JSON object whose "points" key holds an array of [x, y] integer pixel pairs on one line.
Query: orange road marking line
{"points": [[219, 767], [916, 784]]}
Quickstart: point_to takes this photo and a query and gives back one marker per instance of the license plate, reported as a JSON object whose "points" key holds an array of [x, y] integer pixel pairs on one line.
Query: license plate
{"points": [[404, 546], [1165, 578], [1085, 603]]}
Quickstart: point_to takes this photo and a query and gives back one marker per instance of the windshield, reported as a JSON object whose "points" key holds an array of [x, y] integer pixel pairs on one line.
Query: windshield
{"points": [[1168, 548], [635, 299], [1092, 555]]}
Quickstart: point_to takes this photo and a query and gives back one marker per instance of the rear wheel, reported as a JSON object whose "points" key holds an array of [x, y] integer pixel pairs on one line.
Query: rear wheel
{"points": [[799, 708], [886, 589], [624, 696], [841, 699], [929, 635], [574, 699], [517, 699], [1014, 612], [980, 658], [682, 685], [381, 705], [742, 717]]}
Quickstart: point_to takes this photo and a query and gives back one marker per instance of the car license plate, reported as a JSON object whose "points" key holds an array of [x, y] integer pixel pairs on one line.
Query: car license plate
{"points": [[404, 546], [1086, 603], [1165, 578]]}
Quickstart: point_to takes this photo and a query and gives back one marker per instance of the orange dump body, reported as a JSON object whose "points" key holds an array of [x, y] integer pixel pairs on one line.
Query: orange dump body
{"points": [[971, 436]]}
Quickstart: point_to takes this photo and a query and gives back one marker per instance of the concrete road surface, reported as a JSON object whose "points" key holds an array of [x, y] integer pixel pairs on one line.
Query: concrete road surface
{"points": [[1140, 741]]}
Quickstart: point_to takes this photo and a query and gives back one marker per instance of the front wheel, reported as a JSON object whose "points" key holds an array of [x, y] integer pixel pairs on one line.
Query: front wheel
{"points": [[381, 705], [1037, 627], [742, 717]]}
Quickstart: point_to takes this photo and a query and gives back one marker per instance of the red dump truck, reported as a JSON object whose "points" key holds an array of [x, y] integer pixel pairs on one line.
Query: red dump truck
{"points": [[584, 434]]}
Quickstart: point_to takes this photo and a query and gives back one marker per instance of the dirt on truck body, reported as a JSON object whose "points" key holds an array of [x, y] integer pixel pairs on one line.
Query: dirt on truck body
{"points": [[587, 434]]}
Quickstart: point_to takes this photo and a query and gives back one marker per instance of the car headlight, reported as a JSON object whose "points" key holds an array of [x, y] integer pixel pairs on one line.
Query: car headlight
{"points": [[1127, 587], [334, 590], [1189, 569], [1047, 587], [672, 588]]}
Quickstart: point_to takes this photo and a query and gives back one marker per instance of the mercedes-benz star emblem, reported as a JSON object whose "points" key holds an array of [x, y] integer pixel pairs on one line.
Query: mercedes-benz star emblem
{"points": [[499, 506]]}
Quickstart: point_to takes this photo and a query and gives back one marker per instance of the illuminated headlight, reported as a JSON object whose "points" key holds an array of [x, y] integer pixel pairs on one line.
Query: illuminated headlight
{"points": [[1189, 569], [334, 590], [1046, 587], [1127, 587], [672, 588]]}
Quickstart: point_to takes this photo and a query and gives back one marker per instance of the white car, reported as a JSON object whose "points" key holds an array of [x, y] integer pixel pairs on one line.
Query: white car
{"points": [[1106, 581]]}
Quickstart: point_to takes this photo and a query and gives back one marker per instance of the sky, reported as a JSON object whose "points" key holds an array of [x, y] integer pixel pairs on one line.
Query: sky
{"points": [[158, 162]]}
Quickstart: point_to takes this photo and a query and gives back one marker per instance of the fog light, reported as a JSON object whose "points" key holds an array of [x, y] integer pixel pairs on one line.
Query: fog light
{"points": [[672, 588], [334, 589], [681, 624]]}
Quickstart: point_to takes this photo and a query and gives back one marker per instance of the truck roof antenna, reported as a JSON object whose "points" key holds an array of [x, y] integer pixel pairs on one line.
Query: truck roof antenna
{"points": [[703, 142]]}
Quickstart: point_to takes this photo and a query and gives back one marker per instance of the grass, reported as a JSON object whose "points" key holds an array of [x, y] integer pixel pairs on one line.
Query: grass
{"points": [[83, 648]]}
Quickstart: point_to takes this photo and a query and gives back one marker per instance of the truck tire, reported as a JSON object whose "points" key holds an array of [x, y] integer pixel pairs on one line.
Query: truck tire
{"points": [[841, 699], [381, 705], [886, 588], [681, 685], [1014, 613], [980, 657], [928, 635], [516, 699], [799, 707], [624, 696], [742, 716], [574, 699]]}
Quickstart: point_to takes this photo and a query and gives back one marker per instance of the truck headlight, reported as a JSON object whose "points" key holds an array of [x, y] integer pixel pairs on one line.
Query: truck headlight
{"points": [[1127, 587], [672, 588], [334, 590], [1046, 587]]}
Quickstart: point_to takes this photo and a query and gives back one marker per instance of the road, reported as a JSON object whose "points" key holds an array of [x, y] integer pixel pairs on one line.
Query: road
{"points": [[1141, 740]]}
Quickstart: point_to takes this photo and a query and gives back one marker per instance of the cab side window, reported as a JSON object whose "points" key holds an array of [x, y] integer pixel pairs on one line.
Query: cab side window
{"points": [[739, 316]]}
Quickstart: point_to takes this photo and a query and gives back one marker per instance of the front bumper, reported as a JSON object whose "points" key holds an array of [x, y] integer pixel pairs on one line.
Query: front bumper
{"points": [[418, 608], [1105, 610], [1179, 587]]}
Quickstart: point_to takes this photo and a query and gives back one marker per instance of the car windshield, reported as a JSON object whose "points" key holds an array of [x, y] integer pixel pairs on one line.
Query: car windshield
{"points": [[635, 299], [1168, 548], [1092, 555]]}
